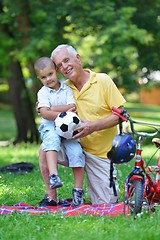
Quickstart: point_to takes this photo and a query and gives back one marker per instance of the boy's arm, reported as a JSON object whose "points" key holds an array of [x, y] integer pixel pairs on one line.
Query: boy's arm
{"points": [[47, 113], [70, 104], [63, 108], [52, 112]]}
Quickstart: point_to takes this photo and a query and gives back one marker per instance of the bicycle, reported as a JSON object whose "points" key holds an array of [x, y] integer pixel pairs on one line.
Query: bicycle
{"points": [[142, 186]]}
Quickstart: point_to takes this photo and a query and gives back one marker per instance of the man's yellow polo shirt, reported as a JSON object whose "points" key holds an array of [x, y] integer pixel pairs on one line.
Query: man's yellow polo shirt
{"points": [[95, 101]]}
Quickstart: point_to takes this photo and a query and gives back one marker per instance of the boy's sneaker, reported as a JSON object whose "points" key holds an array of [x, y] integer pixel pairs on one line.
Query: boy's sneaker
{"points": [[78, 197], [55, 181], [45, 202]]}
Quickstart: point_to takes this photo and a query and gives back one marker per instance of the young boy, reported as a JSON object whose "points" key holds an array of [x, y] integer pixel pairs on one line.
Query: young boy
{"points": [[55, 97]]}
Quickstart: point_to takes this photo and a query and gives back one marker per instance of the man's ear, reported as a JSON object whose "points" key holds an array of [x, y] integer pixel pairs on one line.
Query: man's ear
{"points": [[78, 57], [55, 67]]}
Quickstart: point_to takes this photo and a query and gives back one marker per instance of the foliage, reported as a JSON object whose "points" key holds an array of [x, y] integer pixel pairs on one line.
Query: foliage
{"points": [[150, 85], [112, 36]]}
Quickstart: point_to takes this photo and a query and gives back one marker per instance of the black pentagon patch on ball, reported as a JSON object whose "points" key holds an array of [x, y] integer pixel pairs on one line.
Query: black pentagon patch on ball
{"points": [[64, 127], [62, 114], [75, 132], [75, 120]]}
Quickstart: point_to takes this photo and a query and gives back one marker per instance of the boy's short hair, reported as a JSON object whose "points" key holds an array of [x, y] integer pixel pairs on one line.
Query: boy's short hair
{"points": [[42, 63]]}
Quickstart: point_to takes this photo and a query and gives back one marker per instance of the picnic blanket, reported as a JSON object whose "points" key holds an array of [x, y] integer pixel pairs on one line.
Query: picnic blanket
{"points": [[85, 209]]}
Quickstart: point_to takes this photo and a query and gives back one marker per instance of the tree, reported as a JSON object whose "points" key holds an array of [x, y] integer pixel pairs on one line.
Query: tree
{"points": [[147, 17], [22, 107], [26, 33], [112, 36]]}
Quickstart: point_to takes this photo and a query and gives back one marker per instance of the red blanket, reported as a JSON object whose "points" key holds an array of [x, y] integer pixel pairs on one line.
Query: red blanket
{"points": [[91, 209]]}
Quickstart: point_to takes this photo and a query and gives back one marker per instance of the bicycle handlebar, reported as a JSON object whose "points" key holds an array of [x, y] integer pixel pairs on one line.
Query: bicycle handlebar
{"points": [[122, 114], [144, 134]]}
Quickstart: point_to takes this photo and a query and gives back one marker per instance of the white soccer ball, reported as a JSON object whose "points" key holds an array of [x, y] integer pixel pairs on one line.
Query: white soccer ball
{"points": [[65, 124]]}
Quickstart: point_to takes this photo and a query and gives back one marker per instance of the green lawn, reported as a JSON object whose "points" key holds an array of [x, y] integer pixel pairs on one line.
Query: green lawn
{"points": [[30, 188]]}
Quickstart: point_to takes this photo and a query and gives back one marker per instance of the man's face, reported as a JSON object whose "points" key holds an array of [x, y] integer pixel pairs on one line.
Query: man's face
{"points": [[67, 63]]}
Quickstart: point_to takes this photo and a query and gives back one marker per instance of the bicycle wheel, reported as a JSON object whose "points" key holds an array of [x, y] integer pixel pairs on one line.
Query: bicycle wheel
{"points": [[135, 197]]}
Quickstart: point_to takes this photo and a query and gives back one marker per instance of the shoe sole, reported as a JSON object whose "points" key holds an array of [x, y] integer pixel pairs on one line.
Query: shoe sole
{"points": [[58, 186]]}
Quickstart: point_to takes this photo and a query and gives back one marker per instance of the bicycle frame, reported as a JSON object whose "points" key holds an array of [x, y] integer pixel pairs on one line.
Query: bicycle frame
{"points": [[137, 173], [152, 185], [141, 186]]}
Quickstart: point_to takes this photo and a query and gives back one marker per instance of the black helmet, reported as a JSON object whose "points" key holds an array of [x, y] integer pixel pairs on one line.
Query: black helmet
{"points": [[123, 148]]}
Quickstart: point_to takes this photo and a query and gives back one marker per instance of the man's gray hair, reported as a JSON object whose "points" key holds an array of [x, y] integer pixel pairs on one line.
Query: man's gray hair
{"points": [[69, 48]]}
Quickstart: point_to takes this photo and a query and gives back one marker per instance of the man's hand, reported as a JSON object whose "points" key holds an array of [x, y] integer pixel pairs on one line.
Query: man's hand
{"points": [[88, 127], [85, 129], [73, 109]]}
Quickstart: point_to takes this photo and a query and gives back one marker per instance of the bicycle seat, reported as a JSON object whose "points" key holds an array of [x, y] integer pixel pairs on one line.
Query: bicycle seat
{"points": [[156, 141]]}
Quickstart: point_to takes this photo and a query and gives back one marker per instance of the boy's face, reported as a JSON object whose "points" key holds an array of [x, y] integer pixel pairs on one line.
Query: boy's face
{"points": [[48, 77]]}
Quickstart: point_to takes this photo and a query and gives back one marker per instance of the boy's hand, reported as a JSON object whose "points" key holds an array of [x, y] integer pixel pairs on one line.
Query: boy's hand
{"points": [[37, 109]]}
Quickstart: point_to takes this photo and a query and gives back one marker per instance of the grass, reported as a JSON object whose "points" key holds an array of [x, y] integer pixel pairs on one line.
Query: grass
{"points": [[28, 227], [30, 188], [7, 124]]}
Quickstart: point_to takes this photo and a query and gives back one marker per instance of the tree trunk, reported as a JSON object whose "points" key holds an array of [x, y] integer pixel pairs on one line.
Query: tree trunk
{"points": [[22, 107]]}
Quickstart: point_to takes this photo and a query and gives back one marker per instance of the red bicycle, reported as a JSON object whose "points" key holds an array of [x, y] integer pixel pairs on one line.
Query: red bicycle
{"points": [[142, 186]]}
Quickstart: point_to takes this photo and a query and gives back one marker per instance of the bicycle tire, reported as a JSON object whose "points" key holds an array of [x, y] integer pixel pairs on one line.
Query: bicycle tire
{"points": [[135, 196]]}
